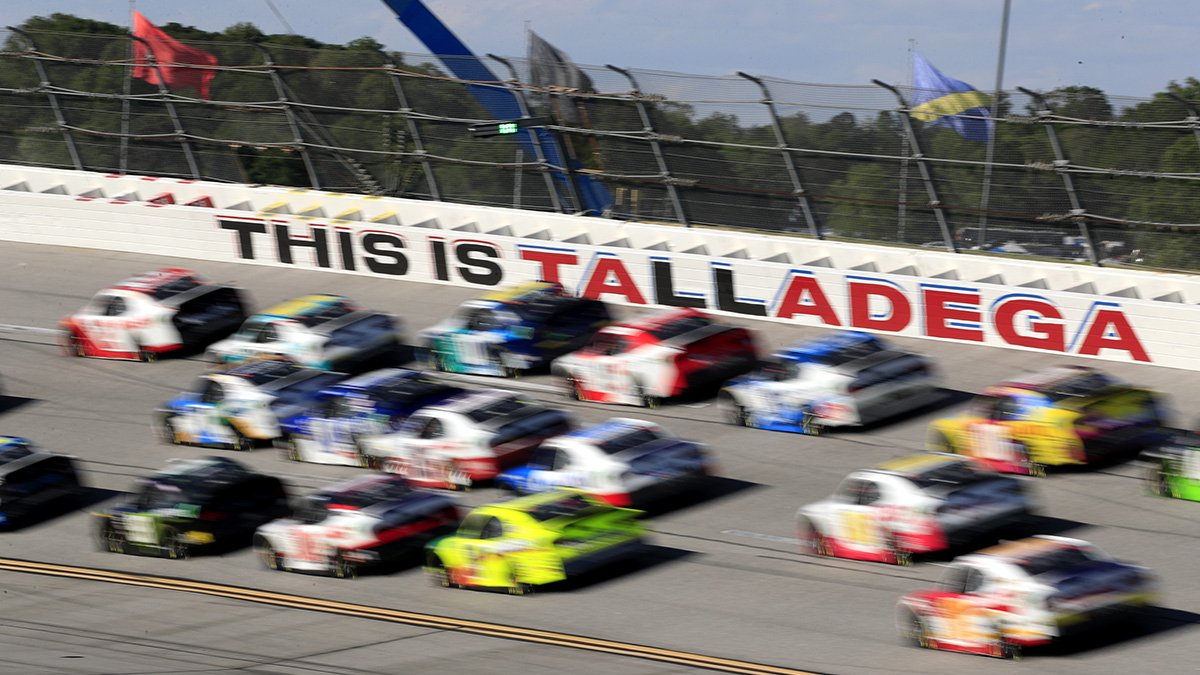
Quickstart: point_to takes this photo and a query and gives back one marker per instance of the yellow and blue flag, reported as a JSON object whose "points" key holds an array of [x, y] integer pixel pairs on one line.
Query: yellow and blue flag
{"points": [[942, 100]]}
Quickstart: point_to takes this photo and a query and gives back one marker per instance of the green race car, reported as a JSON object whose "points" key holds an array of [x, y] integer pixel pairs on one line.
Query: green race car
{"points": [[1173, 469], [533, 540]]}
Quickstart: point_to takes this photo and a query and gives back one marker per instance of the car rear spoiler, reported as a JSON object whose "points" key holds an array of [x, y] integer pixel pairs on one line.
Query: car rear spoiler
{"points": [[862, 363], [329, 327], [179, 299], [701, 333], [657, 446], [1081, 401]]}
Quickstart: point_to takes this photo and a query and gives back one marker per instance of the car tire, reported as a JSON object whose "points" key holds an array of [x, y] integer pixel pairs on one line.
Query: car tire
{"points": [[365, 461], [436, 572], [912, 629], [1159, 480], [287, 448], [271, 559], [176, 548], [146, 356], [649, 401], [166, 430], [572, 389], [434, 359], [735, 412], [1023, 457], [71, 343], [110, 539], [899, 556], [517, 587], [242, 442], [344, 569], [1005, 648], [812, 542]]}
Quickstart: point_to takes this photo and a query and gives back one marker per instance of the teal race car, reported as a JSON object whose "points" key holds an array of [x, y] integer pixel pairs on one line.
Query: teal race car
{"points": [[1173, 469]]}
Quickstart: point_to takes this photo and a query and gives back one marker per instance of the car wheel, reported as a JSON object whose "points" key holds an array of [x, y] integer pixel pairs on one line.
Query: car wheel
{"points": [[1159, 479], [647, 400], [1024, 459], [270, 558], [912, 629], [811, 540], [287, 448], [517, 587], [434, 359], [166, 430], [572, 389], [71, 343], [365, 461], [735, 412], [110, 539], [900, 556], [146, 356], [435, 571], [1004, 647], [344, 569], [175, 547], [242, 442]]}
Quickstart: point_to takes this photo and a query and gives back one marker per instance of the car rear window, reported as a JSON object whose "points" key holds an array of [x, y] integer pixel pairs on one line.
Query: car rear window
{"points": [[629, 440], [849, 353], [680, 326], [13, 452], [572, 505], [950, 474], [494, 409], [1059, 559]]}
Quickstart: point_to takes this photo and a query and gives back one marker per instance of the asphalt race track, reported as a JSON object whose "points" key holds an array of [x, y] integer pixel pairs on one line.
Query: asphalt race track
{"points": [[722, 578]]}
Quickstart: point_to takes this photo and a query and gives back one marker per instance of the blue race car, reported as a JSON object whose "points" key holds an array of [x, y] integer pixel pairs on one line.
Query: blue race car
{"points": [[371, 404], [845, 378], [32, 480], [509, 331]]}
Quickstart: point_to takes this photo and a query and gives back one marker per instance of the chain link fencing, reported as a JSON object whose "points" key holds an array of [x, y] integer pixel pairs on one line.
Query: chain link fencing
{"points": [[1075, 174]]}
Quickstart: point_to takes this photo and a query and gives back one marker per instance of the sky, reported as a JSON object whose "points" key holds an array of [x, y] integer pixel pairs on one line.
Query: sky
{"points": [[1126, 48]]}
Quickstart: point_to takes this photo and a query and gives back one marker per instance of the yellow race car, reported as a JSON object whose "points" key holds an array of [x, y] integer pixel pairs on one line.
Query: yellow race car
{"points": [[531, 541], [1063, 415]]}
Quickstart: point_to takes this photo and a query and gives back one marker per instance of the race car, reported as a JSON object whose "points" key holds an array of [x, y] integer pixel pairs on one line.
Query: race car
{"points": [[366, 521], [625, 462], [155, 313], [1020, 594], [323, 331], [1063, 415], [33, 480], [1173, 468], [466, 439], [845, 378], [192, 503], [366, 405], [645, 361], [531, 541], [509, 331], [911, 505], [237, 406]]}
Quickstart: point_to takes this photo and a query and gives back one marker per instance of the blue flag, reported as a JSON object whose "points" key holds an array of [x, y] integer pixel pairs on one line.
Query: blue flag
{"points": [[938, 99]]}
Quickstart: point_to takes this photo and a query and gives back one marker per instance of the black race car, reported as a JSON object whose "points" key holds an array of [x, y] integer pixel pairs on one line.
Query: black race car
{"points": [[32, 481]]}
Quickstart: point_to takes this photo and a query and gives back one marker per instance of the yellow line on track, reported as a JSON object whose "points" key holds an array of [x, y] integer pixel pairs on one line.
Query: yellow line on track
{"points": [[399, 616]]}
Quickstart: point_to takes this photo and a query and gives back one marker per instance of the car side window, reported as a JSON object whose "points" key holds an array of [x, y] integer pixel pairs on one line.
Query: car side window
{"points": [[974, 581], [868, 493], [115, 306], [433, 429], [1007, 408], [213, 393], [492, 529], [561, 460], [482, 319], [266, 333], [955, 579]]}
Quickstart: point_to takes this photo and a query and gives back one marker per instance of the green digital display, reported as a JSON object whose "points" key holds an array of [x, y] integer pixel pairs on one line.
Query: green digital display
{"points": [[507, 128]]}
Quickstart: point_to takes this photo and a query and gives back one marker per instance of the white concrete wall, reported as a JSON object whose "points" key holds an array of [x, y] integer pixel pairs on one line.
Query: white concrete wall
{"points": [[1083, 310]]}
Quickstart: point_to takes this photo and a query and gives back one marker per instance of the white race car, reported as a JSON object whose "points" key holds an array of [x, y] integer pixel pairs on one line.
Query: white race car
{"points": [[466, 439], [842, 379], [323, 331], [151, 314], [622, 461], [237, 406], [915, 504], [1022, 594], [650, 359], [366, 521]]}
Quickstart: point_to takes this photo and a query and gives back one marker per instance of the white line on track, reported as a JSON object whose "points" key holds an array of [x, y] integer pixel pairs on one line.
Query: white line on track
{"points": [[767, 537], [27, 330]]}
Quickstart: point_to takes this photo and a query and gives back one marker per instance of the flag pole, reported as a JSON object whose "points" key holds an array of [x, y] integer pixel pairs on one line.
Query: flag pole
{"points": [[991, 146]]}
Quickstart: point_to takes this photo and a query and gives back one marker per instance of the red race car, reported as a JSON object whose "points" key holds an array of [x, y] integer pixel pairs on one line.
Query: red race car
{"points": [[644, 361]]}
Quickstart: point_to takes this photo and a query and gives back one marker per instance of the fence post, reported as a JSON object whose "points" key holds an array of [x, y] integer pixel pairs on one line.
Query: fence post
{"points": [[523, 105], [58, 114], [785, 150], [926, 175], [413, 130], [648, 129], [291, 117], [1060, 165], [166, 98]]}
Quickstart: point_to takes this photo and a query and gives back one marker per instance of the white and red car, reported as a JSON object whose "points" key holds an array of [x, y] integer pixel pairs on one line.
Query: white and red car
{"points": [[366, 521], [154, 313], [648, 360], [1021, 594], [469, 438], [912, 505]]}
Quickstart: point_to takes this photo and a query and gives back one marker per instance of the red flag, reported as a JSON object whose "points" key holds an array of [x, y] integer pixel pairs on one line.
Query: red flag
{"points": [[167, 51]]}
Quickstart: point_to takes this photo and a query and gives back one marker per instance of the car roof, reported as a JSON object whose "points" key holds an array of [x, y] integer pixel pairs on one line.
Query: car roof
{"points": [[1063, 381], [310, 308], [929, 469], [263, 371], [598, 434], [363, 492], [1036, 546], [474, 400], [523, 292], [163, 283], [833, 348], [202, 476], [15, 453], [544, 506]]}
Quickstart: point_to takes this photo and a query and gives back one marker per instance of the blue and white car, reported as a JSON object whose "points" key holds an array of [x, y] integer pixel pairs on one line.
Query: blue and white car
{"points": [[845, 378], [371, 404], [238, 406], [512, 330], [622, 461]]}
